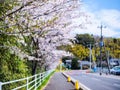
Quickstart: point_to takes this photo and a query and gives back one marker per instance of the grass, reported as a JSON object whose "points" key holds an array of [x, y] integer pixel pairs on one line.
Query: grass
{"points": [[44, 83], [62, 68]]}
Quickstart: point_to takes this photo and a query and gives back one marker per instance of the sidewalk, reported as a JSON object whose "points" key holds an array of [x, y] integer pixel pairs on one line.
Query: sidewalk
{"points": [[59, 82]]}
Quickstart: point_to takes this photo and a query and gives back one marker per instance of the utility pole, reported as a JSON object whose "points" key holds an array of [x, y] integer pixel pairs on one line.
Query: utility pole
{"points": [[101, 45]]}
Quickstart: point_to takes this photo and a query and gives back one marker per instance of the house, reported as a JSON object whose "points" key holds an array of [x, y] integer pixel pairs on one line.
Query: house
{"points": [[82, 64]]}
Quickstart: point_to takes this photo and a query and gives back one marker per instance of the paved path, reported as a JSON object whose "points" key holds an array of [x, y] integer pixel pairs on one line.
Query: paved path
{"points": [[59, 82]]}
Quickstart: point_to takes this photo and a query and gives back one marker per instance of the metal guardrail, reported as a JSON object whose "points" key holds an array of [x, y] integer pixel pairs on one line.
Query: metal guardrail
{"points": [[32, 82]]}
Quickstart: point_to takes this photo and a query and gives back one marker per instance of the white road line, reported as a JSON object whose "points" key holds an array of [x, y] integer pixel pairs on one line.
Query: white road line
{"points": [[96, 79]]}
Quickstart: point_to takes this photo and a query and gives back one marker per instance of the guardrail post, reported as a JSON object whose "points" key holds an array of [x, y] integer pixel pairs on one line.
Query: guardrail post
{"points": [[35, 82], [0, 85], [46, 74], [27, 83], [43, 76], [40, 78]]}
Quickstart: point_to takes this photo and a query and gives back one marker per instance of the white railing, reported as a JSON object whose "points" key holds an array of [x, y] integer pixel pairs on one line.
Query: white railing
{"points": [[31, 83]]}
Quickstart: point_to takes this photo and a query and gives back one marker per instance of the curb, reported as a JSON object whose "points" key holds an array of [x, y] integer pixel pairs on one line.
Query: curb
{"points": [[83, 87]]}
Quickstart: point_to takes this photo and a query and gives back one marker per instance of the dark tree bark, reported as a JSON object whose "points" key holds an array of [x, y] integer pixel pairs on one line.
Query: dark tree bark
{"points": [[34, 67]]}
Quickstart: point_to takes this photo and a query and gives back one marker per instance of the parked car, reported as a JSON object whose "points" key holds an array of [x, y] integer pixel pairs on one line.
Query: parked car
{"points": [[115, 70]]}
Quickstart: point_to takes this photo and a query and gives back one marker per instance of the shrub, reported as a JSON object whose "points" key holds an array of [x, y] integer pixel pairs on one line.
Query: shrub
{"points": [[75, 64]]}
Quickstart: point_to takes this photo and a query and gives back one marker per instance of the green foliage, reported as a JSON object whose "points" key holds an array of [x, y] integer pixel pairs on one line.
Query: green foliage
{"points": [[62, 67], [64, 47], [81, 47], [75, 63], [11, 68], [44, 83], [113, 46], [84, 39], [80, 51], [93, 55], [6, 5], [66, 58], [26, 47]]}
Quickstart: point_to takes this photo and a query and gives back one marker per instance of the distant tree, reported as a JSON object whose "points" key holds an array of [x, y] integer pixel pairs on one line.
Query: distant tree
{"points": [[113, 46], [66, 58], [84, 39], [79, 51], [75, 63], [114, 40]]}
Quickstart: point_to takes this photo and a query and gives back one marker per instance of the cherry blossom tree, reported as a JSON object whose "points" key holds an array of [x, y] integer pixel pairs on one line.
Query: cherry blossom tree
{"points": [[42, 26]]}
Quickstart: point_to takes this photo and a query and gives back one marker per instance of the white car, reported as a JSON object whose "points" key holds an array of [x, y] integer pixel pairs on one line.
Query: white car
{"points": [[115, 70]]}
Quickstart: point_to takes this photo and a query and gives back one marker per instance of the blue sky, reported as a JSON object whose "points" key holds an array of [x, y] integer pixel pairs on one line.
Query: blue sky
{"points": [[103, 4], [106, 12]]}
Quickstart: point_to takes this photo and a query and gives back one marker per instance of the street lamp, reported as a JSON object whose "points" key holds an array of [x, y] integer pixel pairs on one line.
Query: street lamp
{"points": [[90, 56], [101, 45]]}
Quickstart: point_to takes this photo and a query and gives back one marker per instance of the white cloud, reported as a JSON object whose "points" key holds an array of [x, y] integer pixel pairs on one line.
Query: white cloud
{"points": [[109, 18]]}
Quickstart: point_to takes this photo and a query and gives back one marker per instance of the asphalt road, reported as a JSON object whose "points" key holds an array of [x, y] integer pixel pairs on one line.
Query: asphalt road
{"points": [[96, 82]]}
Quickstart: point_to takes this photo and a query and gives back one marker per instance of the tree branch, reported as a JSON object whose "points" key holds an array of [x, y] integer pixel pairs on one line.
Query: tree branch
{"points": [[2, 18]]}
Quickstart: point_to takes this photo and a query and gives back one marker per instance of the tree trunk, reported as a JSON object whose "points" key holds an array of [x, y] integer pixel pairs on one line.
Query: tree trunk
{"points": [[34, 67]]}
